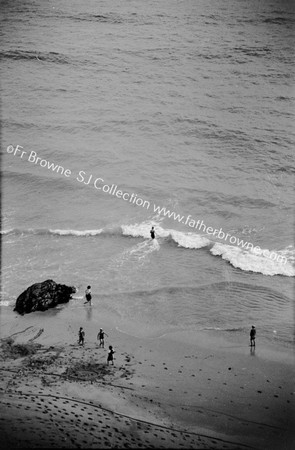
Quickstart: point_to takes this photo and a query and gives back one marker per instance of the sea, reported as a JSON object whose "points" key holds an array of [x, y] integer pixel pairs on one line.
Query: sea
{"points": [[120, 115]]}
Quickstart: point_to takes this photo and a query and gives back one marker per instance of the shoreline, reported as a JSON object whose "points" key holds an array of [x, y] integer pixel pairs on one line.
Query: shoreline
{"points": [[180, 390]]}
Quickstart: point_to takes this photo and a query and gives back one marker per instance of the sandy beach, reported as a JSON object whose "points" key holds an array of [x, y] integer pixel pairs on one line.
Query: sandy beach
{"points": [[178, 390]]}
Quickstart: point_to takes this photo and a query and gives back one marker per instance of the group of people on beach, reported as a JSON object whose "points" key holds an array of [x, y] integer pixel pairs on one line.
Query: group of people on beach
{"points": [[101, 333], [100, 337]]}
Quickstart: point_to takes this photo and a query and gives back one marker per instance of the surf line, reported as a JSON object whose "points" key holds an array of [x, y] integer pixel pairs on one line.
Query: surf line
{"points": [[112, 190]]}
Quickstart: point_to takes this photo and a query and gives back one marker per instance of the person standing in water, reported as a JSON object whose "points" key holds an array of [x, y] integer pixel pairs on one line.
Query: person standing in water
{"points": [[88, 295], [153, 233], [252, 336]]}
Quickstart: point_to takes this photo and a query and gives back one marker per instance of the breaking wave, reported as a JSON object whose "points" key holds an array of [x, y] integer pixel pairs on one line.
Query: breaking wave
{"points": [[238, 257]]}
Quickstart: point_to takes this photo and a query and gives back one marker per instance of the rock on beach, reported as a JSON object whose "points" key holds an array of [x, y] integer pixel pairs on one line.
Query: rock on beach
{"points": [[42, 296]]}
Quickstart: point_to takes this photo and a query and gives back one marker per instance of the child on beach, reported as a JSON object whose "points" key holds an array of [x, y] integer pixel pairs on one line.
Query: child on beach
{"points": [[88, 295], [81, 336], [252, 336], [100, 336], [110, 355]]}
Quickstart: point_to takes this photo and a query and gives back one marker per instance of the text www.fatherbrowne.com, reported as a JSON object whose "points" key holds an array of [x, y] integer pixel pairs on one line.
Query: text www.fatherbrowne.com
{"points": [[218, 233], [98, 184]]}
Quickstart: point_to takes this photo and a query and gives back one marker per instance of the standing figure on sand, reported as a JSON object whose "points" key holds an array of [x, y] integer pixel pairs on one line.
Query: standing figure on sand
{"points": [[152, 232], [88, 295], [100, 336], [81, 336], [252, 336], [110, 355]]}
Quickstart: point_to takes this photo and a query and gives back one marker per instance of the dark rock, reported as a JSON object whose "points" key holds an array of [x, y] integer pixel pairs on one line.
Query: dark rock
{"points": [[42, 296]]}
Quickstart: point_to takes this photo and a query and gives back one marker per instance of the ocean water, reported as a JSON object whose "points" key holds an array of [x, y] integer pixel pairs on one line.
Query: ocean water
{"points": [[184, 105]]}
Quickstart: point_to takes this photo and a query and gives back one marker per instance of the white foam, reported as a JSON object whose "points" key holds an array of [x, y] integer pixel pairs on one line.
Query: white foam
{"points": [[186, 240], [249, 261], [76, 232], [11, 230], [144, 248], [143, 230], [288, 252], [189, 240]]}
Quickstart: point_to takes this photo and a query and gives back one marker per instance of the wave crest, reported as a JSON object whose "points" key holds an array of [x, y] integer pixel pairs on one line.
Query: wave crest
{"points": [[41, 231], [246, 260], [251, 262]]}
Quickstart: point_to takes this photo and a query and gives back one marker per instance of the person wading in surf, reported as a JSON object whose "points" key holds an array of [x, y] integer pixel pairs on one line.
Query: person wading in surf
{"points": [[252, 336], [153, 233], [88, 295]]}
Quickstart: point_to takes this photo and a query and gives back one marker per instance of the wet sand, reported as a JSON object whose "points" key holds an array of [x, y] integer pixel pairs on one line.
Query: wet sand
{"points": [[176, 390]]}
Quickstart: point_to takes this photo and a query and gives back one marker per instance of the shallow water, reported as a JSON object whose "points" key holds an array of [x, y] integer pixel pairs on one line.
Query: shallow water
{"points": [[187, 105]]}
